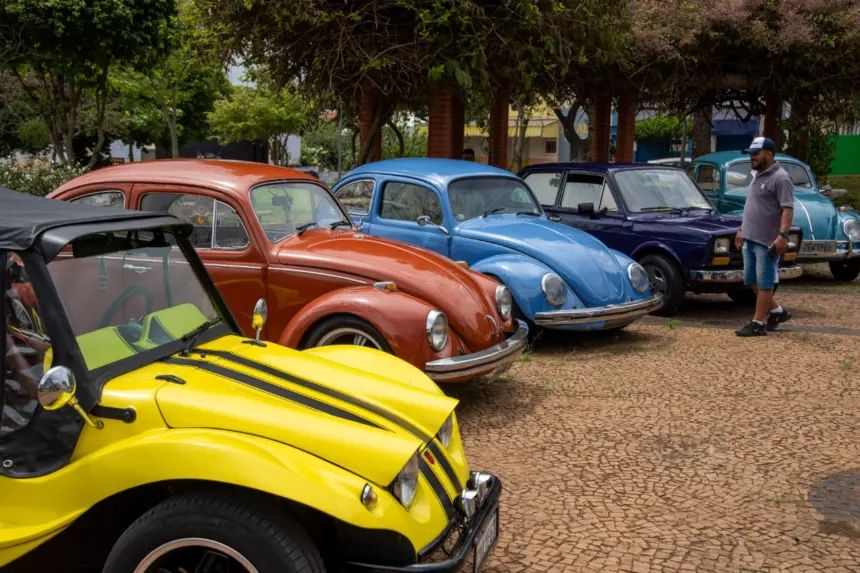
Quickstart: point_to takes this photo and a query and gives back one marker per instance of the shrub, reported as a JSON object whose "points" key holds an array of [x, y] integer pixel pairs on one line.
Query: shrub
{"points": [[40, 178]]}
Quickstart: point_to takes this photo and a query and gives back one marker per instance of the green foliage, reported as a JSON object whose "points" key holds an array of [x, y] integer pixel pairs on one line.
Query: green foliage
{"points": [[661, 128], [34, 135], [39, 179], [813, 142]]}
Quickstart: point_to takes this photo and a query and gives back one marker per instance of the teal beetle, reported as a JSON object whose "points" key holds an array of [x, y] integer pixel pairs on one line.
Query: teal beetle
{"points": [[830, 234]]}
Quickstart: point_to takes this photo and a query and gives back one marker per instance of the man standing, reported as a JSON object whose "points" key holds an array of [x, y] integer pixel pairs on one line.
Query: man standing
{"points": [[763, 235]]}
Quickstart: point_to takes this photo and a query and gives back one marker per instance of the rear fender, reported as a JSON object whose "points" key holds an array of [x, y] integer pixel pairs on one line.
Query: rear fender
{"points": [[401, 318]]}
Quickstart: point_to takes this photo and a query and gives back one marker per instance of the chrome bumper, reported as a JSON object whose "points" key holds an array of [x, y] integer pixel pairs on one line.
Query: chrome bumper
{"points": [[737, 275], [612, 314], [844, 250], [495, 360]]}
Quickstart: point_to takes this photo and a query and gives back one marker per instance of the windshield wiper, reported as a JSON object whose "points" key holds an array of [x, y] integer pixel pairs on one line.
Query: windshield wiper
{"points": [[191, 338], [648, 209], [302, 228], [496, 210], [337, 224], [529, 213]]}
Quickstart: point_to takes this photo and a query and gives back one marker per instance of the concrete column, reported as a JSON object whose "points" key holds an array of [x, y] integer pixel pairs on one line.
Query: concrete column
{"points": [[599, 128], [624, 148], [445, 123], [498, 128], [366, 115]]}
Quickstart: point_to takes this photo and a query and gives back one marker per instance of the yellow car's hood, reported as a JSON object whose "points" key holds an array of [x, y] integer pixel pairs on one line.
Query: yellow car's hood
{"points": [[360, 421]]}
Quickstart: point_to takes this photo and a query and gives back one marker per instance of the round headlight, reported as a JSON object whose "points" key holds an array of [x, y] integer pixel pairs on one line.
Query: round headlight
{"points": [[722, 246], [437, 330], [405, 484], [852, 229], [638, 277], [553, 289], [446, 431], [793, 241], [504, 301]]}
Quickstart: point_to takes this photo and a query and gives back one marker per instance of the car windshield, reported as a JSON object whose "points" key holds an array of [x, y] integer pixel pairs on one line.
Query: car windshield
{"points": [[288, 207], [126, 293], [472, 198], [645, 190], [740, 175]]}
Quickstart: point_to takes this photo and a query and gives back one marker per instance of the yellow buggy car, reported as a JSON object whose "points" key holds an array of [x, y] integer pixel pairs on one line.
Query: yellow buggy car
{"points": [[141, 433]]}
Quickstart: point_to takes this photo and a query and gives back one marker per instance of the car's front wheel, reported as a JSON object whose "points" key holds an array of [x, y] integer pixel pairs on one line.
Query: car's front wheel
{"points": [[845, 270], [209, 532], [666, 278], [346, 330]]}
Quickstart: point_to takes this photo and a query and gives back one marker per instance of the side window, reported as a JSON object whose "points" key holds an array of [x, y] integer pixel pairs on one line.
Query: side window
{"points": [[582, 188], [708, 178], [407, 202], [115, 199], [25, 345], [216, 224], [356, 197], [545, 186], [607, 201]]}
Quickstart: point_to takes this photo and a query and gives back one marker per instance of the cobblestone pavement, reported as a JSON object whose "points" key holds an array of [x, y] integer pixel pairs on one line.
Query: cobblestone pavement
{"points": [[676, 446]]}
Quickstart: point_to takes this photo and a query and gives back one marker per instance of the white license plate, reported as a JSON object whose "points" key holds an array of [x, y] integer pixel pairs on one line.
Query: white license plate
{"points": [[818, 247], [486, 539]]}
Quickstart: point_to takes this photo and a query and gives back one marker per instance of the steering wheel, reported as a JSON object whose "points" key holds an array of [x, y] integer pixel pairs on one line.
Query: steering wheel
{"points": [[121, 300]]}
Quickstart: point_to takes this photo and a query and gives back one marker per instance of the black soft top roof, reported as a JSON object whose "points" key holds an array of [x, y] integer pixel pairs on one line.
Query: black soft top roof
{"points": [[24, 217]]}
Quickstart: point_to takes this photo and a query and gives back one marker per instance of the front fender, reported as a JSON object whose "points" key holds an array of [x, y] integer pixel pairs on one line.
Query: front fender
{"points": [[56, 500], [401, 318], [840, 224]]}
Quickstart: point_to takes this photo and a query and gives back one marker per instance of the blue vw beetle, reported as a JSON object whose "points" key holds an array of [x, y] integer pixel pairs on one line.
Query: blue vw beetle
{"points": [[830, 235], [560, 277]]}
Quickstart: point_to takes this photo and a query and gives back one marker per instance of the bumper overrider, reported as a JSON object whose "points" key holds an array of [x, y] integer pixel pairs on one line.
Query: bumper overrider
{"points": [[612, 314], [479, 500], [491, 362], [737, 275]]}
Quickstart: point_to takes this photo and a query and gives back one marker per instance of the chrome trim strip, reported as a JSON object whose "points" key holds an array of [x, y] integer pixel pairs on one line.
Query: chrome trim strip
{"points": [[737, 275], [616, 313], [233, 266], [283, 270], [494, 357], [808, 218]]}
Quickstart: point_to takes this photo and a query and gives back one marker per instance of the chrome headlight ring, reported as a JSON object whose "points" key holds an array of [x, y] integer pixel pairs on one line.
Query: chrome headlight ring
{"points": [[638, 277], [405, 485], [554, 289], [446, 432], [851, 228], [504, 301], [437, 330]]}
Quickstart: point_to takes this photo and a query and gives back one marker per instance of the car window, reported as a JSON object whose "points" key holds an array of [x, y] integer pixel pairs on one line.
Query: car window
{"points": [[216, 224], [356, 196], [115, 199], [708, 178], [799, 174], [482, 196], [407, 202], [544, 185], [26, 344], [283, 207], [582, 188], [607, 201]]}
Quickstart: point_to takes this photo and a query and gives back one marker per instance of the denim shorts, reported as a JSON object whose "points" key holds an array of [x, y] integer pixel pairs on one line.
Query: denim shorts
{"points": [[760, 268]]}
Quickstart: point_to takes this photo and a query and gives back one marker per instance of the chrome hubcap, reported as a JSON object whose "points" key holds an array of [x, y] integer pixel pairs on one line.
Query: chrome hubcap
{"points": [[656, 278], [351, 336], [195, 555]]}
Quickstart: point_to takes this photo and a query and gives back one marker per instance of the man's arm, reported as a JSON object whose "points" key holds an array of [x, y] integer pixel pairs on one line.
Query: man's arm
{"points": [[785, 195]]}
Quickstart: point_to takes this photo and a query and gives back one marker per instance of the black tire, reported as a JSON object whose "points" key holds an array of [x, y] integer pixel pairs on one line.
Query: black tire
{"points": [[269, 540], [845, 271], [743, 297], [667, 279], [340, 329]]}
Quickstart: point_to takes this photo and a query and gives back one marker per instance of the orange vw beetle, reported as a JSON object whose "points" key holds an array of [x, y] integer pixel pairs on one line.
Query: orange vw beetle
{"points": [[279, 234]]}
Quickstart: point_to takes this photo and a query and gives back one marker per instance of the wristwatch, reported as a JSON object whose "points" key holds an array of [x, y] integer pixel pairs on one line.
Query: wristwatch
{"points": [[784, 234]]}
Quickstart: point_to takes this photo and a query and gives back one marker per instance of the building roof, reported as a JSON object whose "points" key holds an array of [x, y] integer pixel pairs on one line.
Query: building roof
{"points": [[233, 177], [24, 217], [440, 171]]}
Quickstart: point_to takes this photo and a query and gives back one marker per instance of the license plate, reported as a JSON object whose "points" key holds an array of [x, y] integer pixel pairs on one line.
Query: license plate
{"points": [[486, 539], [818, 247]]}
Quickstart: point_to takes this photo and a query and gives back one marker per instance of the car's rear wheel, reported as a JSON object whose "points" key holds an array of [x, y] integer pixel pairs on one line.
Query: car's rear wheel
{"points": [[346, 330], [665, 278], [845, 270], [213, 533]]}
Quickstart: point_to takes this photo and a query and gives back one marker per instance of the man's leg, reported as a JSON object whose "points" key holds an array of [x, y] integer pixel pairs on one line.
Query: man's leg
{"points": [[776, 313], [753, 279], [763, 304], [765, 272]]}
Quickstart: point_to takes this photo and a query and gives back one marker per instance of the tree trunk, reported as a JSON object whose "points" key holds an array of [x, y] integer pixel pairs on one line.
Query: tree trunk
{"points": [[519, 141], [402, 151], [101, 107], [568, 126], [131, 151], [683, 141], [375, 131], [702, 132], [174, 138], [355, 135]]}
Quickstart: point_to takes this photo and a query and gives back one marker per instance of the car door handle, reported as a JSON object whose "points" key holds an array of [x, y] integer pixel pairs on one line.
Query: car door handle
{"points": [[554, 218], [138, 269]]}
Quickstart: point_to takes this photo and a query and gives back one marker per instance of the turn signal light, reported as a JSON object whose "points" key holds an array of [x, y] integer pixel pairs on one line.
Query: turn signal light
{"points": [[789, 256], [721, 261], [387, 286], [463, 264]]}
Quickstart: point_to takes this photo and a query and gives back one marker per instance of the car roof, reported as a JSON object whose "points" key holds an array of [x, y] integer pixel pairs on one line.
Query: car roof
{"points": [[232, 177], [723, 157], [23, 218], [603, 167], [440, 171]]}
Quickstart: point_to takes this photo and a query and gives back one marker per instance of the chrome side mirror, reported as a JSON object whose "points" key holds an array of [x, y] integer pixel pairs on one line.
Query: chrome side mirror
{"points": [[261, 313], [424, 220], [826, 189], [56, 390]]}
